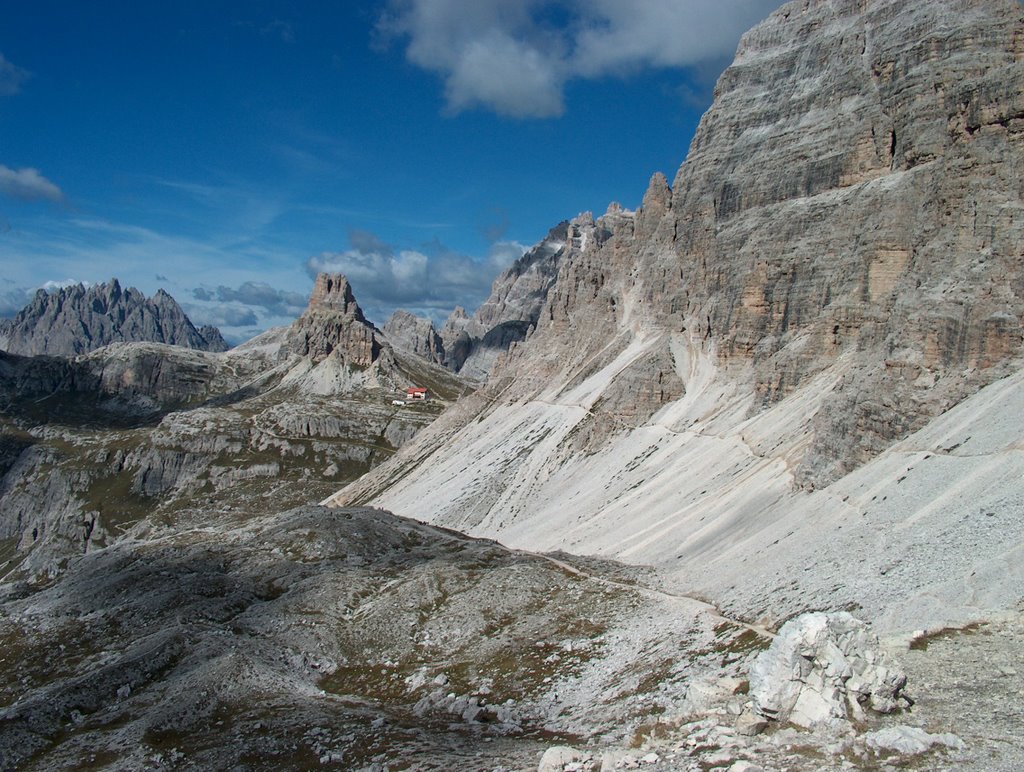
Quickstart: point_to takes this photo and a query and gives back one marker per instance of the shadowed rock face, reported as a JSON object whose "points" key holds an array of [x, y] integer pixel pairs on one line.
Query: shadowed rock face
{"points": [[76, 320], [472, 344], [416, 335]]}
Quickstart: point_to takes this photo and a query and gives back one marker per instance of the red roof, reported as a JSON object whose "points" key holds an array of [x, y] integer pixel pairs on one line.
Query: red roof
{"points": [[417, 390]]}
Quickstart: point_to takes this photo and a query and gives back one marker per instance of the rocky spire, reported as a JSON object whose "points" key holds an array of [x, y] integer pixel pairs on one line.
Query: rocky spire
{"points": [[334, 325]]}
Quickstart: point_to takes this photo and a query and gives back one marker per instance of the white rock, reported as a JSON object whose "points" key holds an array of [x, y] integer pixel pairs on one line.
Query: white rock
{"points": [[558, 757], [611, 760], [745, 766], [822, 668], [909, 740], [750, 724]]}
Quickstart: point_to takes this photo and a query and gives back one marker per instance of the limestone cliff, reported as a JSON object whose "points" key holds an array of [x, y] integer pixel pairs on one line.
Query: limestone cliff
{"points": [[78, 319]]}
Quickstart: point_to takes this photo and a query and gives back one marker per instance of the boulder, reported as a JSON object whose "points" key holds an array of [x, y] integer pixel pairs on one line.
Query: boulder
{"points": [[558, 757], [822, 668], [909, 740]]}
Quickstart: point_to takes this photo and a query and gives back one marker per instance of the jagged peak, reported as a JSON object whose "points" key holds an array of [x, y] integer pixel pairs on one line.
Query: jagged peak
{"points": [[659, 193], [333, 291], [334, 322], [79, 318]]}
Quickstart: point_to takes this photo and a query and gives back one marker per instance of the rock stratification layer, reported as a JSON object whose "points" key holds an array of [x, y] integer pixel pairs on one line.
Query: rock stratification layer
{"points": [[77, 319]]}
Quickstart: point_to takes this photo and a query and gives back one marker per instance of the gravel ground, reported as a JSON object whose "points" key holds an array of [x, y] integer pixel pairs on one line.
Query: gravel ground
{"points": [[971, 683]]}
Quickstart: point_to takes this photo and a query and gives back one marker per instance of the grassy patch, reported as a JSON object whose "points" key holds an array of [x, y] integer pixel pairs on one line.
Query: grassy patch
{"points": [[922, 642]]}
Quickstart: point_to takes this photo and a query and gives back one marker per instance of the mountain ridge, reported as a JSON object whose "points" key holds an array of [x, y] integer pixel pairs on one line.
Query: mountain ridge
{"points": [[78, 319]]}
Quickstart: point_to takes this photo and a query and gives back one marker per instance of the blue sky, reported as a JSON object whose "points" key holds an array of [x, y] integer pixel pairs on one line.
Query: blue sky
{"points": [[226, 150]]}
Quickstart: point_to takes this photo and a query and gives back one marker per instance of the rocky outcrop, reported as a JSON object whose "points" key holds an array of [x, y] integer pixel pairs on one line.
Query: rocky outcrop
{"points": [[78, 319], [214, 340], [415, 335], [334, 325], [472, 344], [823, 668]]}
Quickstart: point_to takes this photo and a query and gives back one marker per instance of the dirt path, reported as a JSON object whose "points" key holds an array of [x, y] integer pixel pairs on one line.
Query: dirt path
{"points": [[649, 592]]}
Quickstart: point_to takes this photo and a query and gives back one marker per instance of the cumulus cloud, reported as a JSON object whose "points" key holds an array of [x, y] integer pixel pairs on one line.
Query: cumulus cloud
{"points": [[12, 300], [11, 77], [243, 311], [431, 281], [222, 316], [515, 56], [28, 185], [256, 294], [53, 285], [506, 75]]}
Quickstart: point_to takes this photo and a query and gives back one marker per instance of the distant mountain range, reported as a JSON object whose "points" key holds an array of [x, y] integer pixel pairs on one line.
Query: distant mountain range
{"points": [[79, 319]]}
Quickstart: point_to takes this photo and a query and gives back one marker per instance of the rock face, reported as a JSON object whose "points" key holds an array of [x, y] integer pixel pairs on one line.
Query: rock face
{"points": [[78, 319], [215, 341], [850, 196], [473, 343], [334, 325], [415, 335]]}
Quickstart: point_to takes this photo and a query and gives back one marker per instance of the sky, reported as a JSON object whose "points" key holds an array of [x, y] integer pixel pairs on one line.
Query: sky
{"points": [[228, 151]]}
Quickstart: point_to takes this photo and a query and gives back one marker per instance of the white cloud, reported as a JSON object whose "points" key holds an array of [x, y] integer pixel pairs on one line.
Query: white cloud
{"points": [[256, 294], [625, 34], [28, 185], [13, 300], [11, 77], [384, 279], [507, 75], [58, 284], [515, 56]]}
